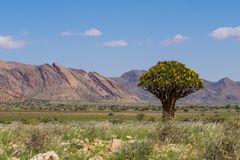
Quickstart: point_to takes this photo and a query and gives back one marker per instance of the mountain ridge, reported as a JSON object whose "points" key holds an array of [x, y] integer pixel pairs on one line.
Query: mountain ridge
{"points": [[55, 82], [223, 91]]}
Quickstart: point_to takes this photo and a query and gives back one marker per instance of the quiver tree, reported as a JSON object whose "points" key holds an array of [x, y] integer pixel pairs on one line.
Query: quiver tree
{"points": [[169, 81]]}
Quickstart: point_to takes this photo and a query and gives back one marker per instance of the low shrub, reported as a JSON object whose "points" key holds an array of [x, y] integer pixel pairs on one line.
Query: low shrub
{"points": [[110, 114], [38, 140], [171, 133], [140, 116], [116, 121], [152, 119], [139, 150]]}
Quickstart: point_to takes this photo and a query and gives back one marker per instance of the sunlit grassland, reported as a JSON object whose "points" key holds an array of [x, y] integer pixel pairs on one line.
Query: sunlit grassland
{"points": [[137, 140], [78, 132]]}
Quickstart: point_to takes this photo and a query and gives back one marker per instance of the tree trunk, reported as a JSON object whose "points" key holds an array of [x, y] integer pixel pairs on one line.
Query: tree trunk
{"points": [[168, 110]]}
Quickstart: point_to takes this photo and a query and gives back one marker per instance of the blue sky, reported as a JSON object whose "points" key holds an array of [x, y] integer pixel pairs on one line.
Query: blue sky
{"points": [[112, 37]]}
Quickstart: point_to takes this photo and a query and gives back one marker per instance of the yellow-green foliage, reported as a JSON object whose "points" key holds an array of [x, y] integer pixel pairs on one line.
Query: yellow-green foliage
{"points": [[169, 76]]}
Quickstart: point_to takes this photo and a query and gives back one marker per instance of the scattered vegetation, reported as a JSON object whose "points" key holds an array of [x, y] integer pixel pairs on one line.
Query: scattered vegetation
{"points": [[203, 132], [135, 140]]}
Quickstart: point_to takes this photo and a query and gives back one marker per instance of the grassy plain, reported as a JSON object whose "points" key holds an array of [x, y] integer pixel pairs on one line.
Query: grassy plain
{"points": [[110, 111], [106, 115], [100, 131]]}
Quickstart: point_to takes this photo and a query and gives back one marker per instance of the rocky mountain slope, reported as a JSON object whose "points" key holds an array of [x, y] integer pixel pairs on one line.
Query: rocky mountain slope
{"points": [[129, 81], [223, 91], [55, 82]]}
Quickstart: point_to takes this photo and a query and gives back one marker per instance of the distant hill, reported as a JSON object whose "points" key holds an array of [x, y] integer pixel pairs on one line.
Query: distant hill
{"points": [[222, 92], [56, 83], [129, 81]]}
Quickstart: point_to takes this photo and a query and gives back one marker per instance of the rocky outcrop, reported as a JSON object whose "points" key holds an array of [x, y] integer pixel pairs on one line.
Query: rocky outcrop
{"points": [[46, 156], [55, 82]]}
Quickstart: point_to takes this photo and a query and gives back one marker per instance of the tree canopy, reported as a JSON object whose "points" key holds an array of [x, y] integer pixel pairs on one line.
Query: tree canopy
{"points": [[169, 81]]}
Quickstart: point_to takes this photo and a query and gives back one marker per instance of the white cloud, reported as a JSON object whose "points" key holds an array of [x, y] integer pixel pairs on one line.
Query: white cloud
{"points": [[226, 32], [8, 42], [93, 32], [68, 33], [116, 43], [178, 38]]}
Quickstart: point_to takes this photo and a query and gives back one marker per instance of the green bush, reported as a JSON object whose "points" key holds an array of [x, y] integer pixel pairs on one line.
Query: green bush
{"points": [[185, 110], [140, 116], [38, 141], [171, 133], [110, 114], [152, 119]]}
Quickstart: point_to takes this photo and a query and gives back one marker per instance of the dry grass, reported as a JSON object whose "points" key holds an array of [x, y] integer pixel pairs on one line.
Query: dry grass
{"points": [[142, 140]]}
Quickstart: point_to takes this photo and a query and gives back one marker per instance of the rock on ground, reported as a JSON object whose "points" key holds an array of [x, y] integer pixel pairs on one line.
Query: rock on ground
{"points": [[46, 156], [96, 158], [13, 158], [116, 145]]}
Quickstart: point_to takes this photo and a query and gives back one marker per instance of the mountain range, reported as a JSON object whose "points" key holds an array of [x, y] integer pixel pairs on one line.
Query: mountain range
{"points": [[54, 82], [224, 91]]}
